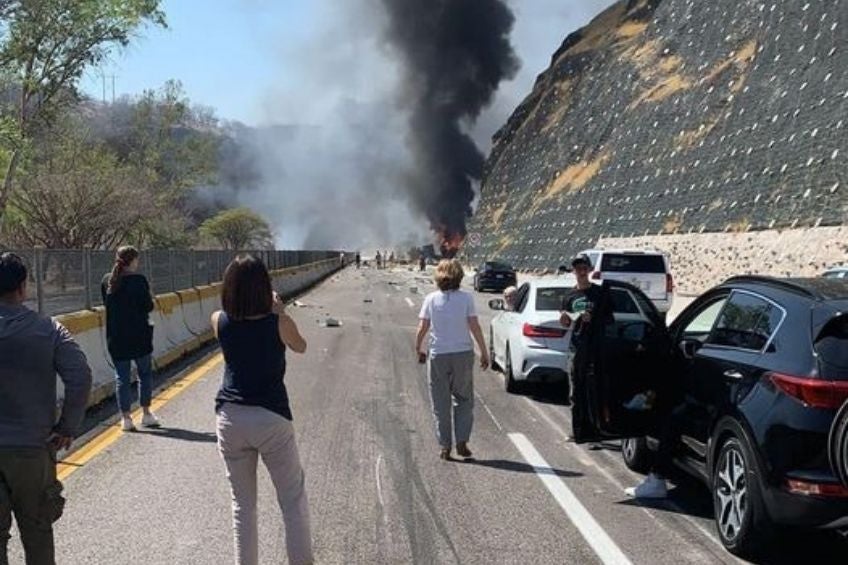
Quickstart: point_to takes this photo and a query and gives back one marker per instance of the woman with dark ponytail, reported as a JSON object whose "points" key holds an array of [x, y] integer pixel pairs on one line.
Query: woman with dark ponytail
{"points": [[129, 333]]}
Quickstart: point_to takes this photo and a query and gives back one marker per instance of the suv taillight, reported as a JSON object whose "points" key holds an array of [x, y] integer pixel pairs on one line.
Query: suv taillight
{"points": [[807, 488], [530, 330], [815, 393], [669, 283]]}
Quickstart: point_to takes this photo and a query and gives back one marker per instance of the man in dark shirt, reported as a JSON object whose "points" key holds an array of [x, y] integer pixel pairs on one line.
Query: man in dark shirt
{"points": [[577, 312], [33, 350]]}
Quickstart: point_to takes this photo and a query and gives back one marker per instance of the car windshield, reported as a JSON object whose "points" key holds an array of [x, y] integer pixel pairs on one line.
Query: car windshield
{"points": [[497, 267], [550, 299], [626, 263]]}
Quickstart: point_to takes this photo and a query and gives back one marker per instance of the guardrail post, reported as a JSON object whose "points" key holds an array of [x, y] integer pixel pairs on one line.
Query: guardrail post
{"points": [[171, 267], [86, 273], [193, 268], [39, 285]]}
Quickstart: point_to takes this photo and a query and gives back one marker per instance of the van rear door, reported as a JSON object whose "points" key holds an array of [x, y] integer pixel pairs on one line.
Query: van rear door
{"points": [[645, 271]]}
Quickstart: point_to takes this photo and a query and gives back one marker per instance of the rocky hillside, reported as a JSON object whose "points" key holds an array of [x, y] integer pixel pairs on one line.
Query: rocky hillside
{"points": [[674, 117]]}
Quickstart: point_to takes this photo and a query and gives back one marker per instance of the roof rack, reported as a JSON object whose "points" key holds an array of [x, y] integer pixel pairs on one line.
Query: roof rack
{"points": [[785, 284]]}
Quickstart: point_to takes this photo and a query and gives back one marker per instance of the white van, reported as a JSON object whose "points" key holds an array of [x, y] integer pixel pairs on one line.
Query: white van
{"points": [[647, 270]]}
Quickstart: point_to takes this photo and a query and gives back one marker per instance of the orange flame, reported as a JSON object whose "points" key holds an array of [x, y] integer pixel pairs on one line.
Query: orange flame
{"points": [[450, 242]]}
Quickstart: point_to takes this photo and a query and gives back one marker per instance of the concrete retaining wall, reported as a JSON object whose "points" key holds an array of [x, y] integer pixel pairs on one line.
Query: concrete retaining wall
{"points": [[701, 261], [181, 323]]}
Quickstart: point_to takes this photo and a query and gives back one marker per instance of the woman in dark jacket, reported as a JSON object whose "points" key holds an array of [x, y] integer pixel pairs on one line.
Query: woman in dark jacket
{"points": [[129, 333]]}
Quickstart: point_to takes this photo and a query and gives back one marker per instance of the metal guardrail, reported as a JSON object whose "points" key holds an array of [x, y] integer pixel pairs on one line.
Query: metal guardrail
{"points": [[68, 280]]}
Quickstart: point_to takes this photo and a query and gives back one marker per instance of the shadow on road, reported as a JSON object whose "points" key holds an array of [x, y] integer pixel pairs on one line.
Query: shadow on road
{"points": [[517, 467], [182, 435]]}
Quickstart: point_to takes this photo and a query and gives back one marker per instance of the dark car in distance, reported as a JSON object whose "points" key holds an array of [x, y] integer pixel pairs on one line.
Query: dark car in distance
{"points": [[757, 369], [493, 275]]}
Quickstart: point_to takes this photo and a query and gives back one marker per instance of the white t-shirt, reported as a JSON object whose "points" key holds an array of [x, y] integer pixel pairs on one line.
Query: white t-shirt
{"points": [[448, 313]]}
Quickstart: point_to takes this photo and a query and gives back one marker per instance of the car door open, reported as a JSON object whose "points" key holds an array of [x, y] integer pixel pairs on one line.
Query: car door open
{"points": [[629, 365]]}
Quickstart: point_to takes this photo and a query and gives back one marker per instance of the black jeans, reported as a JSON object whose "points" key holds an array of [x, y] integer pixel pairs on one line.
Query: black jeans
{"points": [[668, 435], [582, 430], [30, 491]]}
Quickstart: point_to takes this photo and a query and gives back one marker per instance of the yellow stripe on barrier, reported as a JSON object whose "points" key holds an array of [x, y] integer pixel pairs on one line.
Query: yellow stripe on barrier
{"points": [[67, 466]]}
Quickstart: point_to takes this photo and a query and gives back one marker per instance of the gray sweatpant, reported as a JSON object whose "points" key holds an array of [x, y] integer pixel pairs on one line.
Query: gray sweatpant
{"points": [[245, 433], [451, 383]]}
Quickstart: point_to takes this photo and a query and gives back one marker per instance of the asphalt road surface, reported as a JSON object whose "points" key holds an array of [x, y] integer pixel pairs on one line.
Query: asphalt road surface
{"points": [[377, 489]]}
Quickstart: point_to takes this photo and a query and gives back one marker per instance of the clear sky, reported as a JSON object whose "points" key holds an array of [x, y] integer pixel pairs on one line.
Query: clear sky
{"points": [[231, 54]]}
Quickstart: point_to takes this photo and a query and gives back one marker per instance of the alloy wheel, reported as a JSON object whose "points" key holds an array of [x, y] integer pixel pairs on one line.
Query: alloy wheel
{"points": [[731, 491], [628, 448]]}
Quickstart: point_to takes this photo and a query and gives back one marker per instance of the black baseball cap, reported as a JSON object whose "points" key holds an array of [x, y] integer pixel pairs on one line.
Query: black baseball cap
{"points": [[581, 259]]}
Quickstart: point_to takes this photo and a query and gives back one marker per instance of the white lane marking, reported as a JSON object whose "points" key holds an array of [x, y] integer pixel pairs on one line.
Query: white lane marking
{"points": [[379, 482], [491, 414], [603, 545], [709, 534], [410, 302], [578, 453]]}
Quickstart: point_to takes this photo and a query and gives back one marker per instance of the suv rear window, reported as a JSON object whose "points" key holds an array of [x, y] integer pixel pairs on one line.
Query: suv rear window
{"points": [[832, 344], [497, 267], [623, 263]]}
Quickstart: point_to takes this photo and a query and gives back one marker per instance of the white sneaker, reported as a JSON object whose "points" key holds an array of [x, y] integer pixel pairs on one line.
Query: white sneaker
{"points": [[149, 420], [127, 424], [652, 487]]}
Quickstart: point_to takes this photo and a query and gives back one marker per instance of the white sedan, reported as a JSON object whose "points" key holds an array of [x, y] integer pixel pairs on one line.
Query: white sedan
{"points": [[528, 343]]}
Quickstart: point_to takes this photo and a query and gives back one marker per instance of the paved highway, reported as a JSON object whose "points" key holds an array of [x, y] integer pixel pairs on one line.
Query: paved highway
{"points": [[378, 492]]}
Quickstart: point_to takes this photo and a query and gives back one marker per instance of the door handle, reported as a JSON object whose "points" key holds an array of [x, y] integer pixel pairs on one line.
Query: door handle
{"points": [[733, 374]]}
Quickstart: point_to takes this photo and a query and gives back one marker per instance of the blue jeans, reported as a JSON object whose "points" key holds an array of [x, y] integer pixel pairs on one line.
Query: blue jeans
{"points": [[123, 374]]}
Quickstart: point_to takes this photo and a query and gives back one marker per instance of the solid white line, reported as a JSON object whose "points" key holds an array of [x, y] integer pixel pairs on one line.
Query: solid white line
{"points": [[379, 482], [710, 535], [592, 532], [410, 302], [491, 414]]}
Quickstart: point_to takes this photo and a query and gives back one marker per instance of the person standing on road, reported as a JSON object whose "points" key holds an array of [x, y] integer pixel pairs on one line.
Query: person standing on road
{"points": [[422, 262], [358, 260], [253, 414], [378, 260], [33, 349], [129, 334], [577, 314], [449, 316]]}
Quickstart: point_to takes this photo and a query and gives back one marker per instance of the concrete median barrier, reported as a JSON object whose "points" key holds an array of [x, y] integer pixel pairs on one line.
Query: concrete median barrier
{"points": [[181, 323]]}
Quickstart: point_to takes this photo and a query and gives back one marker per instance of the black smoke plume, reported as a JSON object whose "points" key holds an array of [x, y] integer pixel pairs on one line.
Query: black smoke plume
{"points": [[455, 53]]}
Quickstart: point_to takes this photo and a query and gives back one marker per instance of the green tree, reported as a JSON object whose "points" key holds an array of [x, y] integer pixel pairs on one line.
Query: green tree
{"points": [[46, 46], [238, 228]]}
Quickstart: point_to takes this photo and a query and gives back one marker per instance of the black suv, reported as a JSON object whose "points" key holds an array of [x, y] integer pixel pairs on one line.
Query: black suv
{"points": [[492, 275], [758, 369]]}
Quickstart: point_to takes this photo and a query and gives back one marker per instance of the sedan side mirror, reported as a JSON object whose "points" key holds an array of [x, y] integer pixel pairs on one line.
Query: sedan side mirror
{"points": [[689, 347], [497, 304]]}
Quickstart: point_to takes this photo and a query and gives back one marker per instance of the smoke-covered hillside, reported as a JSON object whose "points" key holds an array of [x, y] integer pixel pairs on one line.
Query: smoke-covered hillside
{"points": [[674, 116]]}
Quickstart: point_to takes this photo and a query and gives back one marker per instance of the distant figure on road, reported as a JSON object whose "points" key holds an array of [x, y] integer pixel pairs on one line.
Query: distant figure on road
{"points": [[252, 405], [451, 320], [378, 260], [422, 262], [33, 350], [129, 334], [358, 260]]}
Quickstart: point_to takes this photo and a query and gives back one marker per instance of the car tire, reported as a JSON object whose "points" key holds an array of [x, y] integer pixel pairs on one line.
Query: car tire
{"points": [[493, 361], [637, 456], [510, 383], [737, 500]]}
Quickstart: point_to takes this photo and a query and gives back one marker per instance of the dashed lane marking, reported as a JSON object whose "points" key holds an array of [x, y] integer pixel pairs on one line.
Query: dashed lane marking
{"points": [[67, 466], [600, 542], [409, 302]]}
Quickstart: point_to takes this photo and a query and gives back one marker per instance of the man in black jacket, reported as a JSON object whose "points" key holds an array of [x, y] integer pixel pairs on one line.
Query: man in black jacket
{"points": [[33, 349]]}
